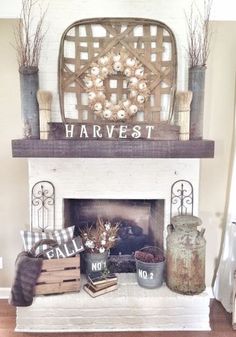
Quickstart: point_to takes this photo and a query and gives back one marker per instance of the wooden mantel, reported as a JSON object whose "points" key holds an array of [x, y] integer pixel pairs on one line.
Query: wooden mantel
{"points": [[29, 148]]}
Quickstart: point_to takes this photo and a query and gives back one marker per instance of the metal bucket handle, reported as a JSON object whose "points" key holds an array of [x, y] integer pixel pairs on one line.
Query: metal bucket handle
{"points": [[155, 247]]}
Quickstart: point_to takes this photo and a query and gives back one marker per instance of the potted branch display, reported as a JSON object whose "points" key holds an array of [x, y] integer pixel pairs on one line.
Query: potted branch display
{"points": [[97, 241], [29, 35], [198, 51]]}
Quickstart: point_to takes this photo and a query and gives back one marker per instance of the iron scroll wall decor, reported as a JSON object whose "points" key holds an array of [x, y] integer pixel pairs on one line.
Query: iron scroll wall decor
{"points": [[182, 198], [43, 206]]}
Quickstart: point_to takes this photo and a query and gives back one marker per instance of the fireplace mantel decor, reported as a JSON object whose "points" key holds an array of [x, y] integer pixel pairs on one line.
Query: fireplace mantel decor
{"points": [[112, 149]]}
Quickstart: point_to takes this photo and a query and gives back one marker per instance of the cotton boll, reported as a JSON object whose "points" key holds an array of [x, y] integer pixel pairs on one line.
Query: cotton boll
{"points": [[133, 81], [142, 85], [101, 95], [128, 72], [89, 83], [116, 57], [98, 106], [108, 104], [98, 82], [133, 93], [103, 60]]}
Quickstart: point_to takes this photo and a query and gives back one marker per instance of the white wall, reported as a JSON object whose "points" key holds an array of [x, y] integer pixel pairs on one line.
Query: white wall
{"points": [[13, 172], [60, 16]]}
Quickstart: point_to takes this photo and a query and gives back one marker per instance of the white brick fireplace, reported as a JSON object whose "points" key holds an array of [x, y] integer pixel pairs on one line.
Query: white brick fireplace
{"points": [[130, 308]]}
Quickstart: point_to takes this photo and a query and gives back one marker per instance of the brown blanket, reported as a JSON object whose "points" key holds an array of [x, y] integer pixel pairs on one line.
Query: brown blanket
{"points": [[26, 274]]}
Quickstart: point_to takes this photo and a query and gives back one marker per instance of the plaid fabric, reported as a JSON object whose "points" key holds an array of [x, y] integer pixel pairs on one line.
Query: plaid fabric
{"points": [[30, 238]]}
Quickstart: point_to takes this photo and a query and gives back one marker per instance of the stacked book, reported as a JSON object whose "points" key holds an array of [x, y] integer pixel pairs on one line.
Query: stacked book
{"points": [[100, 283]]}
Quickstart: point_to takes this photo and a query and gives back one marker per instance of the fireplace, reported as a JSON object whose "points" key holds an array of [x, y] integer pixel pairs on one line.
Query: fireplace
{"points": [[117, 185], [141, 223]]}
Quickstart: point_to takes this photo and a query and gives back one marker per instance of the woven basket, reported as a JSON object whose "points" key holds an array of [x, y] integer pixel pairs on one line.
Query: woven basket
{"points": [[151, 42]]}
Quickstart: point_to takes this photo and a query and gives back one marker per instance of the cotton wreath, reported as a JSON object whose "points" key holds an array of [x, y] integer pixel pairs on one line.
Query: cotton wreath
{"points": [[137, 84]]}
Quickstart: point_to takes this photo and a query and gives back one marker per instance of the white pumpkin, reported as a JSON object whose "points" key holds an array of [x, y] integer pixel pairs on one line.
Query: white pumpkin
{"points": [[116, 57], [128, 72], [133, 81], [117, 66], [142, 85], [121, 114], [133, 109], [139, 72], [130, 62], [140, 99], [95, 71], [107, 113]]}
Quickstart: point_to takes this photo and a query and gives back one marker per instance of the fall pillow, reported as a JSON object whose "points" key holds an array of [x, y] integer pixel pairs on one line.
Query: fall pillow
{"points": [[29, 238]]}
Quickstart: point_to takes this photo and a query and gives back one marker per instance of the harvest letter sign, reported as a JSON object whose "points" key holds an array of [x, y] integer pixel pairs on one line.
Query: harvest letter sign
{"points": [[113, 131]]}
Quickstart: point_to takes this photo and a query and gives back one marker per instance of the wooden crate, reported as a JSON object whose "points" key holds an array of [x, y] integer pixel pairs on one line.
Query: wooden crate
{"points": [[59, 276]]}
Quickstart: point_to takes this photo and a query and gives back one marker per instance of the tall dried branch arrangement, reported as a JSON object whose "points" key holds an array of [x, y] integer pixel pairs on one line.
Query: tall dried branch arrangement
{"points": [[29, 34], [199, 34]]}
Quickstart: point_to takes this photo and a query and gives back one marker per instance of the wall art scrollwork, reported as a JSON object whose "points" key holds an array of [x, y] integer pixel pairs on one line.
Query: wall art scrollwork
{"points": [[43, 205], [182, 198]]}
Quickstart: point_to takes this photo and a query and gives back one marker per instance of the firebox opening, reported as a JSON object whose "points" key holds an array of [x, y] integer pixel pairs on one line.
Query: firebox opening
{"points": [[141, 223]]}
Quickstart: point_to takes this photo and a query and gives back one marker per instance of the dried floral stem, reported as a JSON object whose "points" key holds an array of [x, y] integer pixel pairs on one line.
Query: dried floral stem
{"points": [[100, 238], [28, 35], [199, 34]]}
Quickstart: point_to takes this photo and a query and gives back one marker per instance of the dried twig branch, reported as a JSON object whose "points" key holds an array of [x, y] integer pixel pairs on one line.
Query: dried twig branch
{"points": [[199, 34], [29, 35]]}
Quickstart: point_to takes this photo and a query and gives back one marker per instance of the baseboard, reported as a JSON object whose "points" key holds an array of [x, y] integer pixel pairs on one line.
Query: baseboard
{"points": [[4, 293]]}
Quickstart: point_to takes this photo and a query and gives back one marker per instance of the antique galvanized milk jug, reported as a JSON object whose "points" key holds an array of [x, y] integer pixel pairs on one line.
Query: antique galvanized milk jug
{"points": [[185, 256]]}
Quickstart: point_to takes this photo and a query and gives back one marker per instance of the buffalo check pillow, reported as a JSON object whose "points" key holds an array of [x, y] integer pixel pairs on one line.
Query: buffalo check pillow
{"points": [[29, 238]]}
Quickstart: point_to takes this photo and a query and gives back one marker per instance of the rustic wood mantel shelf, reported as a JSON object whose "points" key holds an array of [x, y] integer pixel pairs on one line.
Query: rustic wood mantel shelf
{"points": [[36, 148]]}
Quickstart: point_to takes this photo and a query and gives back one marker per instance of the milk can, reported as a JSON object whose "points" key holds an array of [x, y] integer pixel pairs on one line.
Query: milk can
{"points": [[185, 255]]}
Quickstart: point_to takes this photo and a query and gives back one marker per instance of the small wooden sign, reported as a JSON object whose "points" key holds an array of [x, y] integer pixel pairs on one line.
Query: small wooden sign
{"points": [[68, 249], [109, 130]]}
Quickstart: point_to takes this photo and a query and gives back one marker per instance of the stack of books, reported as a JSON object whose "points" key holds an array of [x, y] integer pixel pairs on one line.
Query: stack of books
{"points": [[100, 283]]}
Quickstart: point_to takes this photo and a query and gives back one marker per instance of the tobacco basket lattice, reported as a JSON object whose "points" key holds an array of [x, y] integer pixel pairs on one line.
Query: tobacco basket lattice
{"points": [[149, 41]]}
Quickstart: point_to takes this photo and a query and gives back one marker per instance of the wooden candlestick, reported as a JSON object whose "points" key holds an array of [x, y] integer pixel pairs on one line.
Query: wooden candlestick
{"points": [[183, 101], [45, 100]]}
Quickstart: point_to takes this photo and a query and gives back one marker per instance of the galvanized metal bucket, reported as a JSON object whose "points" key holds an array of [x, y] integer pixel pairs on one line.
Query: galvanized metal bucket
{"points": [[95, 262], [150, 274]]}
